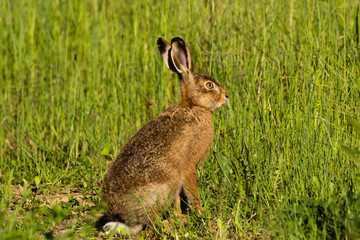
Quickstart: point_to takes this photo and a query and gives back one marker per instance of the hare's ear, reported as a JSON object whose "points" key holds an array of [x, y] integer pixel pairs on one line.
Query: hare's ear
{"points": [[180, 55], [164, 48]]}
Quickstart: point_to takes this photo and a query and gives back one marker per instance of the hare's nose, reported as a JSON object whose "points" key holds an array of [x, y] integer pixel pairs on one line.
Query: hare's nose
{"points": [[226, 95]]}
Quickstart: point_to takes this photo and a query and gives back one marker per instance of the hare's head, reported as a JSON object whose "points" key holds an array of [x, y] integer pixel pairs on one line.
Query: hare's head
{"points": [[196, 89]]}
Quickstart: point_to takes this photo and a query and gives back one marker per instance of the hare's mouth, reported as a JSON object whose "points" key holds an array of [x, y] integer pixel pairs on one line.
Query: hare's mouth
{"points": [[221, 101]]}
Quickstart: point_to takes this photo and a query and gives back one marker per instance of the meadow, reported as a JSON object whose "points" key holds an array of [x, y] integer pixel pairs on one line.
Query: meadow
{"points": [[77, 78]]}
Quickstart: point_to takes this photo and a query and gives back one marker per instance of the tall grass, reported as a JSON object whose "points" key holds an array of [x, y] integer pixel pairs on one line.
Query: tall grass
{"points": [[77, 78]]}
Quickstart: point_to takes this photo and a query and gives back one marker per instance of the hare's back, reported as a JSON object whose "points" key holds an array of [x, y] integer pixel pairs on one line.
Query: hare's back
{"points": [[162, 146], [148, 149]]}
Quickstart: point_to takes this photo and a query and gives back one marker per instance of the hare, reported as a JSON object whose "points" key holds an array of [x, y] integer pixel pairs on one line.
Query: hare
{"points": [[158, 163]]}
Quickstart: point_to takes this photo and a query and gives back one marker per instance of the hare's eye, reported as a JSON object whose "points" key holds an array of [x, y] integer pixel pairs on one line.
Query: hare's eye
{"points": [[210, 85]]}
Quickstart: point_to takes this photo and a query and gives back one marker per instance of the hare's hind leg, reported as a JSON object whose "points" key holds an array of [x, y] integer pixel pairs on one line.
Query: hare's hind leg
{"points": [[178, 216], [158, 197]]}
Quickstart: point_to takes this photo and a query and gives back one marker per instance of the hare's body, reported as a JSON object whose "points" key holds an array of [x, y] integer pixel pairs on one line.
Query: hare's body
{"points": [[160, 166], [159, 161]]}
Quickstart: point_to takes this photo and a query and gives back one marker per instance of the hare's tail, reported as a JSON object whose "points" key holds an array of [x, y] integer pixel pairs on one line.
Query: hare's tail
{"points": [[118, 227], [121, 228]]}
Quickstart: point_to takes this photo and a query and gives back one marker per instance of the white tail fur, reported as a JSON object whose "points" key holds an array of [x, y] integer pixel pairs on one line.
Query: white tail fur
{"points": [[121, 228]]}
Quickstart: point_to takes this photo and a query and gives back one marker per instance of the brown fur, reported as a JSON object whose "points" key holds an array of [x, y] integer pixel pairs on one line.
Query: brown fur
{"points": [[160, 159]]}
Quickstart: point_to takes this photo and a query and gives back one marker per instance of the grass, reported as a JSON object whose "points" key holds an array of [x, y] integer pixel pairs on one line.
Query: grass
{"points": [[77, 78]]}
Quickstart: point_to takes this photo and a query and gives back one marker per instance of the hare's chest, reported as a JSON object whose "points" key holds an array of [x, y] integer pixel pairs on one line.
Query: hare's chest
{"points": [[198, 140]]}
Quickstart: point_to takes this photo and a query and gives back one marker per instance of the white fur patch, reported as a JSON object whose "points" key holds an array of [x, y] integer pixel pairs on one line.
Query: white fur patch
{"points": [[121, 228]]}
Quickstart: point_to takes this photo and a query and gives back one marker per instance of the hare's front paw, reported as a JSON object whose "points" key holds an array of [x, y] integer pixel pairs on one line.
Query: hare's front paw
{"points": [[197, 209]]}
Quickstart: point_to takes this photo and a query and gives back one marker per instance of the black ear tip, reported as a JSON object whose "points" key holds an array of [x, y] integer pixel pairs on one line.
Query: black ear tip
{"points": [[177, 39], [161, 43]]}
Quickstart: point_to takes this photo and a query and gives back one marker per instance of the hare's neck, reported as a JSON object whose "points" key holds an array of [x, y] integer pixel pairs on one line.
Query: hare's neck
{"points": [[185, 101], [204, 118]]}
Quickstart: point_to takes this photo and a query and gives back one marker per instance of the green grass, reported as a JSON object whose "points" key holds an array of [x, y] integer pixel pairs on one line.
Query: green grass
{"points": [[77, 78]]}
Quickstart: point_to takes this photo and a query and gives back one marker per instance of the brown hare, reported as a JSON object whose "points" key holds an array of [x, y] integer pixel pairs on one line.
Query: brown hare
{"points": [[158, 163]]}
